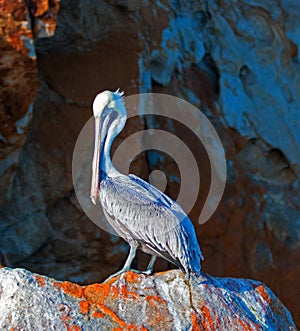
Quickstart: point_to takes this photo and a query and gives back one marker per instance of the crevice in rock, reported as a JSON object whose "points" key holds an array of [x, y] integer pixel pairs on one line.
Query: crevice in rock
{"points": [[188, 284], [248, 80], [210, 67]]}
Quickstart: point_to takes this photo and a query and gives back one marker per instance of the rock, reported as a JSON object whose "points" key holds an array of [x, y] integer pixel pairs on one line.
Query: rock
{"points": [[164, 301], [237, 60], [18, 87], [43, 17], [18, 72]]}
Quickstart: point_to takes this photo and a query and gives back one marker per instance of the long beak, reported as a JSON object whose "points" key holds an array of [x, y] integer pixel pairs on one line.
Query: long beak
{"points": [[96, 161]]}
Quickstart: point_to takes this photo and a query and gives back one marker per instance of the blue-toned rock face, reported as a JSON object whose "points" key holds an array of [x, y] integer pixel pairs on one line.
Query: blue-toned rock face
{"points": [[236, 60]]}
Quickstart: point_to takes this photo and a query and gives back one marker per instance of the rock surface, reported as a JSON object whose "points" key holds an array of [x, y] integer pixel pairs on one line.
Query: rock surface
{"points": [[19, 25], [237, 60], [165, 301]]}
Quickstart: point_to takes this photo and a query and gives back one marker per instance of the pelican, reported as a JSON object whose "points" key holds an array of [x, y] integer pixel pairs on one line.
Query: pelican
{"points": [[141, 214]]}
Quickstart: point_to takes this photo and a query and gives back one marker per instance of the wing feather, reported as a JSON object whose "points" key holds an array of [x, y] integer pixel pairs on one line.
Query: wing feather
{"points": [[148, 216]]}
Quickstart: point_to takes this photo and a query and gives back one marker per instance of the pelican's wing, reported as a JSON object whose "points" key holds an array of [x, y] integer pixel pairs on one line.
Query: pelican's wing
{"points": [[161, 197], [152, 219], [185, 223]]}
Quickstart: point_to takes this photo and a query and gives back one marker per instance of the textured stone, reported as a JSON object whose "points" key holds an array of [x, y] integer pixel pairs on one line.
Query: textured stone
{"points": [[237, 60], [18, 86], [44, 14], [18, 74], [259, 74], [165, 301], [16, 27]]}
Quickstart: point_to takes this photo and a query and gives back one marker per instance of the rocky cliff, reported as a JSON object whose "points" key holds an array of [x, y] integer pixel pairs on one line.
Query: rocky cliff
{"points": [[238, 61], [165, 301]]}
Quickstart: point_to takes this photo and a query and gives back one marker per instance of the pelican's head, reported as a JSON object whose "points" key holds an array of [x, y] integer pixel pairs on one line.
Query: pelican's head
{"points": [[110, 117], [108, 100]]}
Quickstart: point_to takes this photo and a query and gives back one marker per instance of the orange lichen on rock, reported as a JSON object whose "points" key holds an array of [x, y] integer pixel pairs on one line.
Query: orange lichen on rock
{"points": [[133, 327], [153, 304], [97, 314], [158, 304], [73, 328], [263, 292], [70, 288], [112, 315], [40, 7], [84, 307], [44, 13], [97, 293], [108, 312], [158, 309], [207, 320], [195, 322], [128, 294], [66, 319], [245, 325], [132, 277], [155, 298], [40, 280], [15, 25]]}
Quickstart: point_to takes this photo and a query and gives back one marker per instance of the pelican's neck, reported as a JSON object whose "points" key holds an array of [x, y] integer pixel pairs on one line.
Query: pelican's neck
{"points": [[106, 165]]}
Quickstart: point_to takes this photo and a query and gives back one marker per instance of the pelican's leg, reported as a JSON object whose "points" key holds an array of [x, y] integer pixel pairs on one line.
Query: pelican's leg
{"points": [[127, 264], [149, 270], [130, 258]]}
